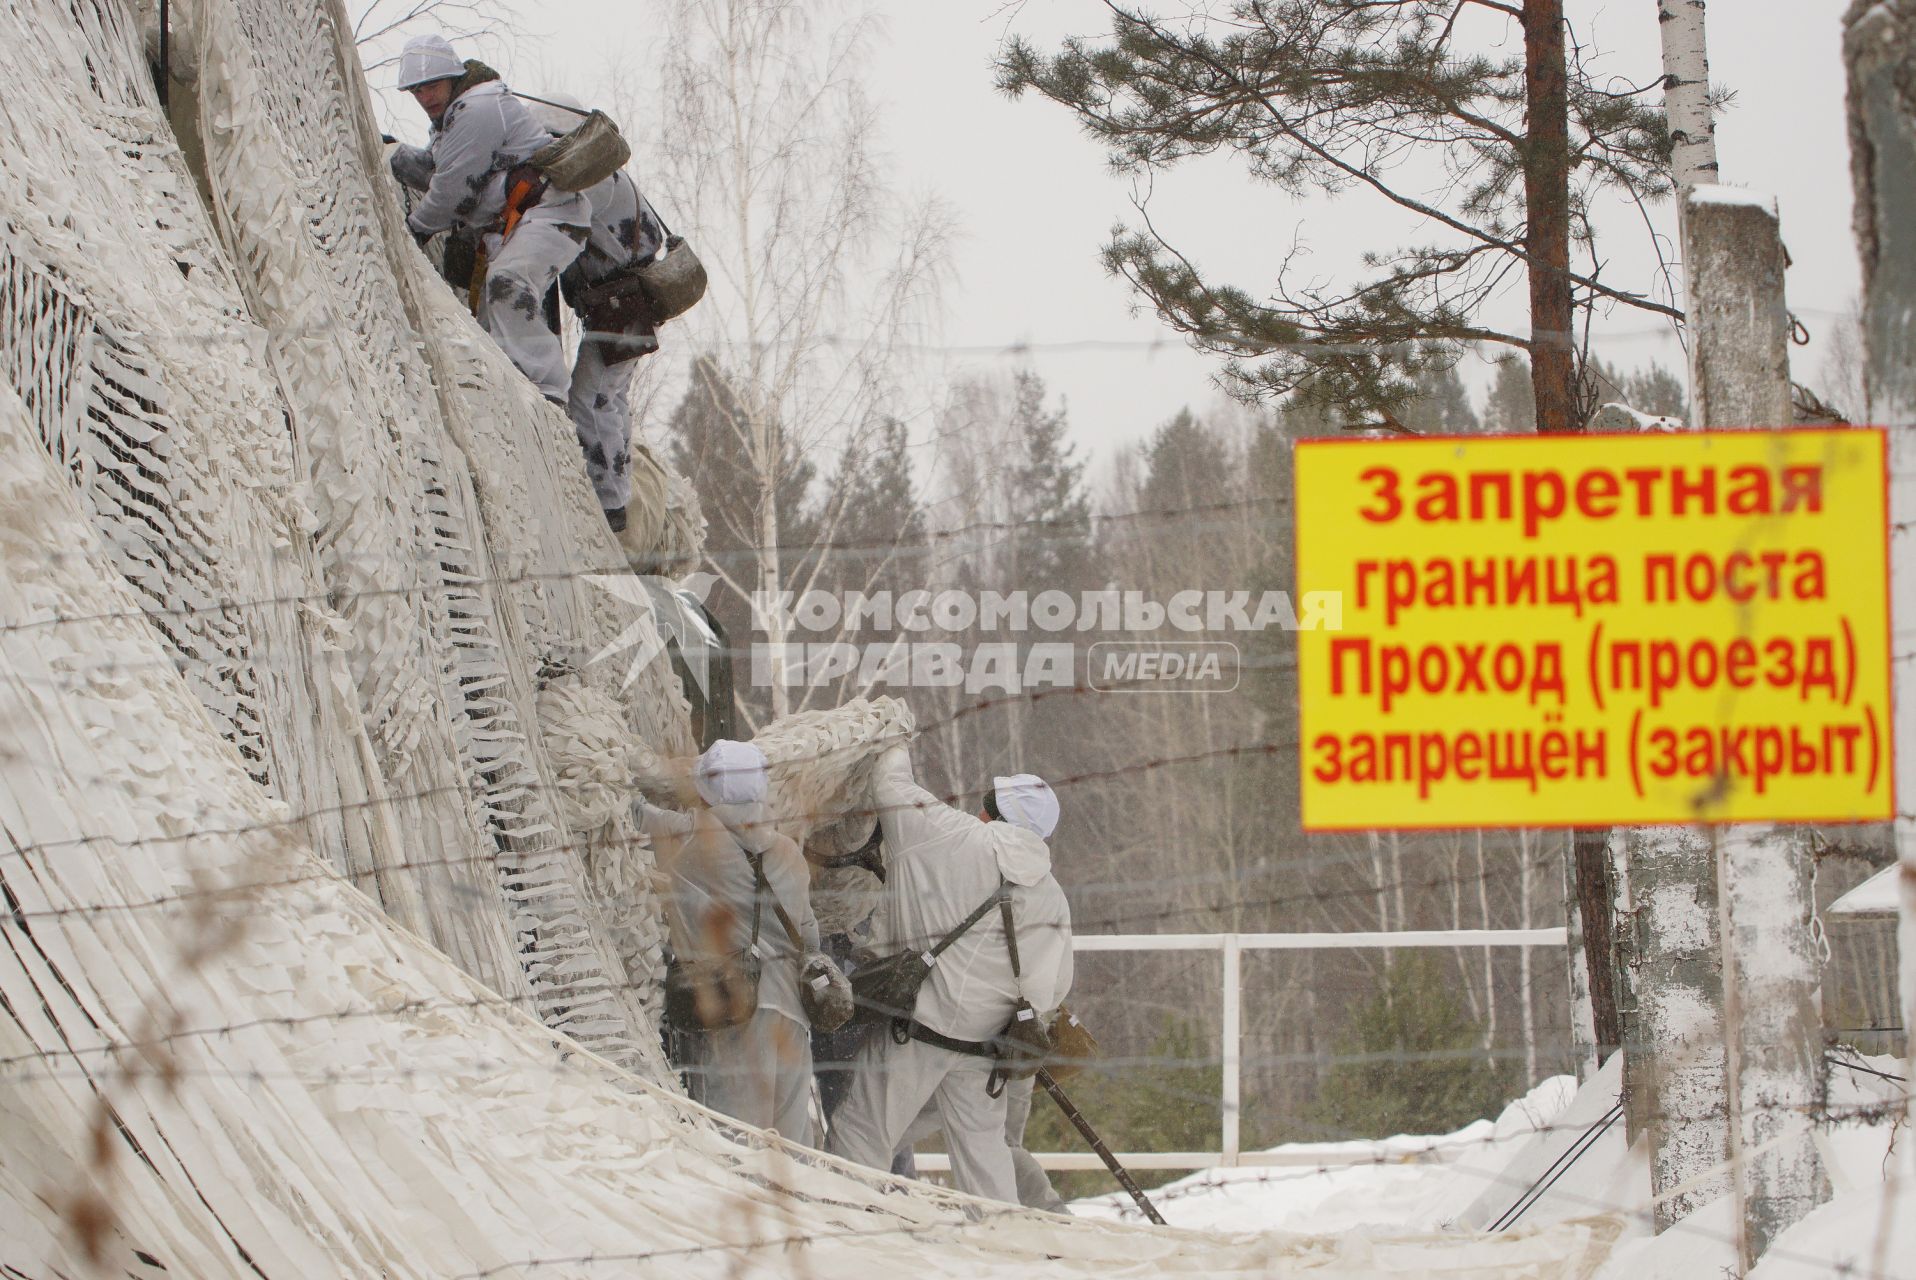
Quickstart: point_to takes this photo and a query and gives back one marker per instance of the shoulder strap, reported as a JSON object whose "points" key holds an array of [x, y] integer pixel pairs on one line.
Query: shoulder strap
{"points": [[1011, 929], [547, 102], [955, 934], [759, 882]]}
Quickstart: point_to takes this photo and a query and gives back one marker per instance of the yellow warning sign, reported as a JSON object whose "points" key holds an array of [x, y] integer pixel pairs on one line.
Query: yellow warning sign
{"points": [[1596, 630]]}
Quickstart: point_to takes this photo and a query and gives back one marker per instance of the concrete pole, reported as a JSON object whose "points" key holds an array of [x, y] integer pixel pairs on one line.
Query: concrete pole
{"points": [[1879, 50], [1673, 1068], [1674, 1062], [1772, 1015]]}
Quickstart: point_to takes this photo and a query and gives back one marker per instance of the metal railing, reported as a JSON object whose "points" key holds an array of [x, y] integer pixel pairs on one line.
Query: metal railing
{"points": [[1232, 947]]}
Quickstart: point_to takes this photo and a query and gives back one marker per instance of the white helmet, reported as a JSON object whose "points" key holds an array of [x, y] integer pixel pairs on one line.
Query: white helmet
{"points": [[730, 773], [428, 58], [1026, 800]]}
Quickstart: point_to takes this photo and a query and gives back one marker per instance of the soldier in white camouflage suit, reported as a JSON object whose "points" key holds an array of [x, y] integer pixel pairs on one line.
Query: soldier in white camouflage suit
{"points": [[624, 231], [479, 133]]}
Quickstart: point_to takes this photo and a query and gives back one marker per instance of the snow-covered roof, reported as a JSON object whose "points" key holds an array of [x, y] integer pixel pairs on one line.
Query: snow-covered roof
{"points": [[1875, 896]]}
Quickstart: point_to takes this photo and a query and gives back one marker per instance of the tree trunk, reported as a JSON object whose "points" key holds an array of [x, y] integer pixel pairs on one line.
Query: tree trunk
{"points": [[1686, 92], [1553, 383], [1596, 909], [768, 452], [1546, 184], [1676, 1086], [1772, 1024], [1489, 954], [1523, 962], [1879, 51], [1583, 1031]]}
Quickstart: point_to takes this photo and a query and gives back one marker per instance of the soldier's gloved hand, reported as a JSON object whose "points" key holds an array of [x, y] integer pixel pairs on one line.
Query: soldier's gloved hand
{"points": [[825, 992]]}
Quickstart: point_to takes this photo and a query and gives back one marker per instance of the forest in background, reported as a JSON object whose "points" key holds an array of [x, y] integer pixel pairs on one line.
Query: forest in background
{"points": [[1180, 808]]}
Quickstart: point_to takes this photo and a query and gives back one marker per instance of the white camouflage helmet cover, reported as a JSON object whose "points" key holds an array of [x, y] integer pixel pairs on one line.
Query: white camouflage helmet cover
{"points": [[1026, 800], [730, 773], [428, 58], [732, 778]]}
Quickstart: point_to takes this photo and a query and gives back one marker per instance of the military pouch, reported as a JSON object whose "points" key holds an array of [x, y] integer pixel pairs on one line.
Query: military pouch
{"points": [[584, 158], [712, 993], [1073, 1046], [886, 987], [673, 281], [1024, 1045], [617, 314], [825, 993]]}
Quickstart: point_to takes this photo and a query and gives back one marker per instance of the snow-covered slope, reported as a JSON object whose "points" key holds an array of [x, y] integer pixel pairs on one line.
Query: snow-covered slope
{"points": [[1555, 1156], [309, 967]]}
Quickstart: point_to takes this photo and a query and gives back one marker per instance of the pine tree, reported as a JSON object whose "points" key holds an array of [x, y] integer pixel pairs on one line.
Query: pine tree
{"points": [[1411, 1060], [880, 514], [1442, 405], [1654, 389], [1511, 409], [710, 444], [1186, 466], [1327, 95], [1049, 508]]}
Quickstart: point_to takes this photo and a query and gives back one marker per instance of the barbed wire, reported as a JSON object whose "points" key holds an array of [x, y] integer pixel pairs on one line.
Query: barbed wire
{"points": [[493, 858], [336, 598]]}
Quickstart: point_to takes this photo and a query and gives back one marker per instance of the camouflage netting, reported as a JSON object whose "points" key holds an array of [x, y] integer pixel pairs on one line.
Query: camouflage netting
{"points": [[329, 947]]}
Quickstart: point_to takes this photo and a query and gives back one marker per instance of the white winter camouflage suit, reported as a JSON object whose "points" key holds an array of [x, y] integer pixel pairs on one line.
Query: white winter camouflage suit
{"points": [[943, 864], [760, 1071], [484, 133], [600, 405]]}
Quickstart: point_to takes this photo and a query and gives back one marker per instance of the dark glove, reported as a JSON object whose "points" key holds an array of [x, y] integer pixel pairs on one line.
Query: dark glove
{"points": [[420, 237], [388, 139], [825, 993]]}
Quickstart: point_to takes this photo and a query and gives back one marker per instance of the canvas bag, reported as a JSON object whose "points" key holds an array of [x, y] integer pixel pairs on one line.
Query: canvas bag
{"points": [[582, 159], [886, 987]]}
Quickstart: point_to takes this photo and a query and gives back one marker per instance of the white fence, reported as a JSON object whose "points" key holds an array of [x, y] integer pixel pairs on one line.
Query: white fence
{"points": [[1231, 947]]}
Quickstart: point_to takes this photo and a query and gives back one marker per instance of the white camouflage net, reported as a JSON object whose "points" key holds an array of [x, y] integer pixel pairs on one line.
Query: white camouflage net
{"points": [[306, 970]]}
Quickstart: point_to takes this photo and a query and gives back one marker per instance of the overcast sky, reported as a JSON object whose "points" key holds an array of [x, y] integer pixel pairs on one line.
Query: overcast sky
{"points": [[1035, 202]]}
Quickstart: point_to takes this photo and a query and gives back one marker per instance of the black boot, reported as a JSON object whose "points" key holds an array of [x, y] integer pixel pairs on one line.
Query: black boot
{"points": [[616, 519]]}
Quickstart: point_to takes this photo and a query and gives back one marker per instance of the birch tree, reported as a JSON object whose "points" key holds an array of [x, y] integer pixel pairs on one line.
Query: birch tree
{"points": [[767, 162], [1752, 988]]}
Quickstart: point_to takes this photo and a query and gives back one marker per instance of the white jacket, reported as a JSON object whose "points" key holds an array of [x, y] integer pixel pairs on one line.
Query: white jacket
{"points": [[712, 892], [942, 864], [485, 132]]}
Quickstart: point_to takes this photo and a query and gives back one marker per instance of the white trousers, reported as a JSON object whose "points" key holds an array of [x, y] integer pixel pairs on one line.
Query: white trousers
{"points": [[760, 1072], [892, 1083], [1034, 1185], [601, 411], [519, 271]]}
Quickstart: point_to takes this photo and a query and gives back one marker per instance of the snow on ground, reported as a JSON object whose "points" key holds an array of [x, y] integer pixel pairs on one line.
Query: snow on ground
{"points": [[1550, 1157]]}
